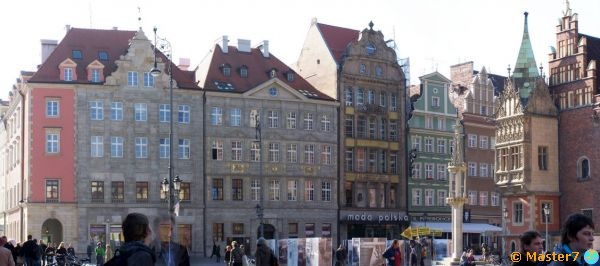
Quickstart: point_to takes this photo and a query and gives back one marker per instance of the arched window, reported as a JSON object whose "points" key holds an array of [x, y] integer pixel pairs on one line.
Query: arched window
{"points": [[583, 168], [513, 246]]}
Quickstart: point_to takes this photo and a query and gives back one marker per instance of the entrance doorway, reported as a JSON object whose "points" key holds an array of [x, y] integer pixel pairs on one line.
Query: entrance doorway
{"points": [[52, 231], [268, 231]]}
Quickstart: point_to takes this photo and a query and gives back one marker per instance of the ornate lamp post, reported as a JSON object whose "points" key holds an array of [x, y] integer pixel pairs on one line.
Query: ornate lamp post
{"points": [[260, 207], [547, 215], [171, 185], [457, 187], [504, 217]]}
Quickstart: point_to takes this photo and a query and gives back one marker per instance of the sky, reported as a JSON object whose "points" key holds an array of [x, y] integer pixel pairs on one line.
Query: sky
{"points": [[434, 34]]}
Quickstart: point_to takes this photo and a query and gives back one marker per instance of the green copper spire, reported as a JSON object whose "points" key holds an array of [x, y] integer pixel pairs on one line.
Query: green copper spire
{"points": [[525, 72]]}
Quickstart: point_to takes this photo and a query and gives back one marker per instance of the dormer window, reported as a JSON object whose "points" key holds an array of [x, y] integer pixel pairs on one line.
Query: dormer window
{"points": [[226, 68], [244, 71], [95, 75], [76, 54], [273, 73], [290, 76], [103, 55], [95, 72], [68, 74]]}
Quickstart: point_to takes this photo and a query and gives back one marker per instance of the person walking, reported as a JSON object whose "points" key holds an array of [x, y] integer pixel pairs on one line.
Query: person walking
{"points": [[228, 260], [531, 242], [218, 253], [577, 236], [393, 254], [6, 257], [28, 250], [108, 253], [214, 250], [236, 254], [43, 247], [340, 256], [264, 255], [100, 252], [138, 237]]}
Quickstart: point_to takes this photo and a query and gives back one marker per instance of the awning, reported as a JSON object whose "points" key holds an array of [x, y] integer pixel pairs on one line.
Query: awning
{"points": [[478, 228]]}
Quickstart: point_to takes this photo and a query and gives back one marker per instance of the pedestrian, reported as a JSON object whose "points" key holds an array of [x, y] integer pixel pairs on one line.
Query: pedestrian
{"points": [[108, 253], [70, 250], [577, 235], [264, 255], [11, 248], [138, 237], [236, 254], [413, 253], [531, 242], [6, 257], [228, 260], [43, 248], [18, 255], [100, 252], [393, 254], [218, 253], [340, 256], [89, 250], [214, 250], [50, 253]]}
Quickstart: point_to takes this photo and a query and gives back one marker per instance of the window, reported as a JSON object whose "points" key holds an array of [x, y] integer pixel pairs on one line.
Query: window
{"points": [[429, 197], [290, 122], [360, 97], [441, 197], [117, 191], [517, 213], [309, 190], [141, 191], [361, 127], [382, 98], [483, 170], [543, 158], [495, 199], [472, 169], [546, 219], [441, 171], [217, 189], [435, 102], [163, 149], [441, 146], [290, 76], [393, 163], [236, 150], [326, 154], [141, 112], [416, 197], [97, 191], [132, 79], [325, 123], [416, 173], [217, 150], [393, 130], [309, 230], [255, 189], [52, 108], [429, 171], [226, 70], [274, 190], [472, 197], [372, 166], [309, 154], [349, 126], [273, 117], [326, 191], [76, 54], [363, 69], [472, 141], [428, 144], [483, 142], [583, 168], [96, 110], [116, 147], [184, 114], [184, 149], [237, 228], [292, 190], [292, 153], [370, 97], [416, 143], [116, 111], [382, 128], [273, 91], [52, 141], [483, 198], [326, 230], [372, 124], [293, 229], [164, 113], [428, 122], [254, 151], [235, 117], [184, 192], [237, 189], [52, 190], [349, 160], [216, 116], [308, 121], [97, 146], [393, 102], [274, 152], [68, 74], [95, 75], [103, 55], [348, 98], [218, 231], [148, 80]]}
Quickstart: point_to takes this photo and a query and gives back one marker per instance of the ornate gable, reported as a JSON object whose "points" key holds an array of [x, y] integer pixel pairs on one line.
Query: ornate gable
{"points": [[540, 101], [509, 103]]}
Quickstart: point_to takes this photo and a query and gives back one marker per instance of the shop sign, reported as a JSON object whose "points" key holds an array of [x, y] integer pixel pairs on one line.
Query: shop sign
{"points": [[383, 217]]}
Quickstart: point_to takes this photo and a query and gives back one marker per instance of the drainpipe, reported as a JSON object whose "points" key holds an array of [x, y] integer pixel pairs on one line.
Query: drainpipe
{"points": [[204, 174], [22, 201]]}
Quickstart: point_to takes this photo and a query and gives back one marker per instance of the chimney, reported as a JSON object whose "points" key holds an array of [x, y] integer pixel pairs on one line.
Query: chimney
{"points": [[244, 45], [184, 64], [68, 27], [225, 44], [115, 28], [48, 47], [264, 48]]}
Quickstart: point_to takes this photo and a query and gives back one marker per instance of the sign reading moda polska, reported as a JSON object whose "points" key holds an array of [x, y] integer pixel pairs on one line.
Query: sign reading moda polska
{"points": [[377, 217]]}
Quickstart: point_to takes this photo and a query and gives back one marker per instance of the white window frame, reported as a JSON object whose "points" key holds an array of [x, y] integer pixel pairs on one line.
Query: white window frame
{"points": [[141, 112], [141, 147], [483, 198], [183, 114], [164, 113], [255, 189], [216, 116], [416, 197], [235, 117], [273, 117], [236, 150], [429, 197], [148, 80], [52, 107], [472, 197], [309, 153], [116, 111], [325, 191], [218, 146], [326, 157], [483, 170], [163, 148], [274, 152], [292, 153], [52, 142], [495, 199], [183, 151], [483, 142], [442, 172], [292, 190], [472, 169], [308, 121], [274, 190], [472, 140], [132, 79], [309, 190], [290, 120], [68, 74], [96, 110], [95, 75], [116, 147], [441, 197], [325, 123], [441, 146], [97, 146]]}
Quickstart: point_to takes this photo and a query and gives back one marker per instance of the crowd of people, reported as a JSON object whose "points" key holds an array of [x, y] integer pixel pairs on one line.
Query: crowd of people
{"points": [[33, 252]]}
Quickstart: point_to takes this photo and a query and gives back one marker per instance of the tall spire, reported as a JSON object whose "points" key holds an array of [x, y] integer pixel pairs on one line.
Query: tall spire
{"points": [[525, 72]]}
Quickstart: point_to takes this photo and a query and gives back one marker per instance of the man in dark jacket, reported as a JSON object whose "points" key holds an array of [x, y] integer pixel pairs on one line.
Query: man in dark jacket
{"points": [[138, 236], [28, 250], [264, 254]]}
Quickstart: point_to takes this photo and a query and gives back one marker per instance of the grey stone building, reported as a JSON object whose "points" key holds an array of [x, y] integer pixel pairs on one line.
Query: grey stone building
{"points": [[291, 162], [361, 71]]}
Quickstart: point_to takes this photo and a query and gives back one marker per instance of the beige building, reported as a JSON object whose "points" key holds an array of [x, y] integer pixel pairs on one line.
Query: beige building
{"points": [[359, 70]]}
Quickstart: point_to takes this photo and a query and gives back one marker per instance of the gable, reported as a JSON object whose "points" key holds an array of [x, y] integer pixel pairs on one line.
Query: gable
{"points": [[275, 90]]}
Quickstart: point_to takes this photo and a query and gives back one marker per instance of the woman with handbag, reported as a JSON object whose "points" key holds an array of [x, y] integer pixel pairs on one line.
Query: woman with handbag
{"points": [[393, 254]]}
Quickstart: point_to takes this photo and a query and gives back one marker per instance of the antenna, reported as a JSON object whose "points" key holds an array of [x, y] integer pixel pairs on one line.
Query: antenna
{"points": [[139, 17], [90, 11]]}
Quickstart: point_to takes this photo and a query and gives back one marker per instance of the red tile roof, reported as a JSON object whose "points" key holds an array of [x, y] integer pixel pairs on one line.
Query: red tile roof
{"points": [[258, 73], [337, 39], [90, 42]]}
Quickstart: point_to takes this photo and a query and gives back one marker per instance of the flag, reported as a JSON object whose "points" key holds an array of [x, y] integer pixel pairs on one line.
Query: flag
{"points": [[407, 233]]}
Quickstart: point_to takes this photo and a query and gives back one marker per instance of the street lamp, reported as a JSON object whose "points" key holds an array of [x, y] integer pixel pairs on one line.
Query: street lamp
{"points": [[260, 207], [504, 217], [171, 185], [547, 215]]}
